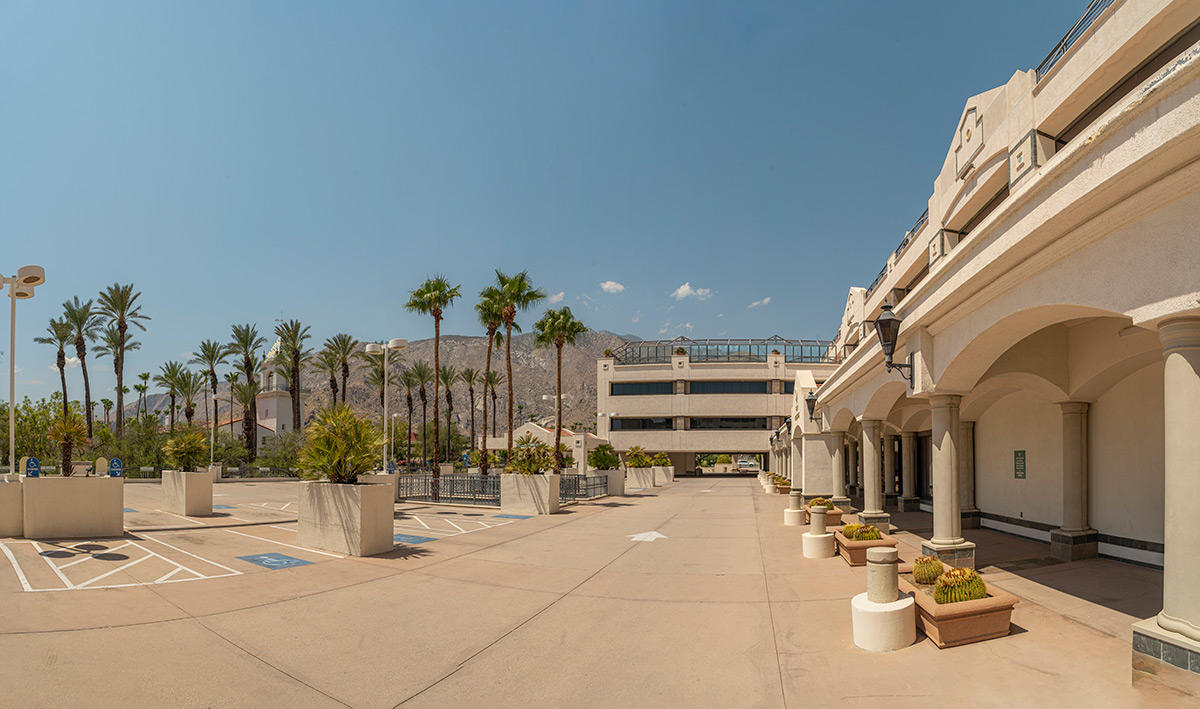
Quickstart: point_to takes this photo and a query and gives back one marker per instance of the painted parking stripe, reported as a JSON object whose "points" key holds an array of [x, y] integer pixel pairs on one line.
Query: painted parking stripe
{"points": [[274, 560], [412, 539], [222, 507], [513, 516], [284, 544]]}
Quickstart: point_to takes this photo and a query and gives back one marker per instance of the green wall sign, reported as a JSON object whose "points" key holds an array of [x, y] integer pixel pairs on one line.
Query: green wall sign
{"points": [[1019, 465]]}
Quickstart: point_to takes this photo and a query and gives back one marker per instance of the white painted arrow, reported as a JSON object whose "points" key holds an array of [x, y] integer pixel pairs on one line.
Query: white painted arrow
{"points": [[646, 536]]}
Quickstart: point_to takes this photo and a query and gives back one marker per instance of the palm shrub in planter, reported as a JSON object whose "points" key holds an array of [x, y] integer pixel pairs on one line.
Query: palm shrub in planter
{"points": [[336, 513], [660, 459], [185, 491], [184, 451], [637, 463], [529, 456], [926, 569], [604, 457], [959, 584], [67, 432], [522, 490]]}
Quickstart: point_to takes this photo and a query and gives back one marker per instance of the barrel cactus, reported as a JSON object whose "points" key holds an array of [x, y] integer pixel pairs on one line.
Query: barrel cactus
{"points": [[849, 530], [926, 569], [959, 584], [821, 502], [866, 533]]}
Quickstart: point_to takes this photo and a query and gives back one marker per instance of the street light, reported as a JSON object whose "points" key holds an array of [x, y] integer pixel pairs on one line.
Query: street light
{"points": [[887, 327], [20, 287], [811, 402], [380, 348]]}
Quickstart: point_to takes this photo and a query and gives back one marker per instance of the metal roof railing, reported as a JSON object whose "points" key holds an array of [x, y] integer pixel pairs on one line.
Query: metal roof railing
{"points": [[725, 350], [1094, 9]]}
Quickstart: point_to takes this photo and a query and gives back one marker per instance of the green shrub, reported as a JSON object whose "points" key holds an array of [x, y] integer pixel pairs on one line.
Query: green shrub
{"points": [[821, 502], [724, 459], [280, 451], [338, 446], [926, 569], [529, 456], [959, 584], [661, 459], [636, 457], [185, 450], [604, 457], [849, 530], [866, 533]]}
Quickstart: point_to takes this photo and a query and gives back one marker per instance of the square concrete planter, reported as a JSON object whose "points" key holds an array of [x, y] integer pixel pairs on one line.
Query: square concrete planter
{"points": [[189, 494], [215, 471], [616, 481], [73, 507], [951, 624], [348, 519], [529, 494], [640, 477], [389, 479], [664, 474], [12, 516], [855, 553], [833, 517]]}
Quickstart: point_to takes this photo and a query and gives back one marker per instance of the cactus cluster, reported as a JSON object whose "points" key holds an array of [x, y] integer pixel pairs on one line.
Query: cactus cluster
{"points": [[848, 530], [959, 584], [866, 533], [926, 569], [821, 502]]}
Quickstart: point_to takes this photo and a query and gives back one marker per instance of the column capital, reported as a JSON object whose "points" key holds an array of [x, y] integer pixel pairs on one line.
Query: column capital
{"points": [[1073, 407], [966, 424], [908, 435], [945, 401], [1179, 334]]}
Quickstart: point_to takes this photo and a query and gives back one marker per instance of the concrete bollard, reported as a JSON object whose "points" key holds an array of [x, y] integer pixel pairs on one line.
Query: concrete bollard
{"points": [[794, 514], [883, 620], [816, 542], [818, 519]]}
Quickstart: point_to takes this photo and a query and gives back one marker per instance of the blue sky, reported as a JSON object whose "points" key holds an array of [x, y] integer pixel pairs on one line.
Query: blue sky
{"points": [[245, 161]]}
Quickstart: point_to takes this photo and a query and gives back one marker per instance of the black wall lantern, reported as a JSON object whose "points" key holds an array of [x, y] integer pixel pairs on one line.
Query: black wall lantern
{"points": [[811, 402], [887, 327]]}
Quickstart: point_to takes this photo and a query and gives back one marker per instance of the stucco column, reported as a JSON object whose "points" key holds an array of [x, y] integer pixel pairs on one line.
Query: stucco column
{"points": [[872, 475], [852, 464], [839, 470], [909, 502], [1074, 540], [966, 475], [947, 542], [889, 471]]}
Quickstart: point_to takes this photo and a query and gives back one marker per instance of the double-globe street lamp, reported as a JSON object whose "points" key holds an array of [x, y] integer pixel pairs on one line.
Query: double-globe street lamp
{"points": [[382, 348], [20, 287]]}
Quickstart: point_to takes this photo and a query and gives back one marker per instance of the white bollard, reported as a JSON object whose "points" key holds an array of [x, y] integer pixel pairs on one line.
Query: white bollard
{"points": [[883, 620], [794, 514], [816, 542]]}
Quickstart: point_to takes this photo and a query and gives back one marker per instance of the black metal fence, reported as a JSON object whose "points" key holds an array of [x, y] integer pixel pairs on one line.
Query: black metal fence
{"points": [[456, 488], [582, 487]]}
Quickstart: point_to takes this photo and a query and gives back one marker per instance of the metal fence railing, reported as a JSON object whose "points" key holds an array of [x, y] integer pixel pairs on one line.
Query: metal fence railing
{"points": [[1094, 9], [582, 487], [456, 488]]}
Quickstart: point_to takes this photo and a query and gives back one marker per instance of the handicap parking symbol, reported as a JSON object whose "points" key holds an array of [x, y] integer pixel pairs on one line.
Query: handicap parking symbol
{"points": [[274, 561]]}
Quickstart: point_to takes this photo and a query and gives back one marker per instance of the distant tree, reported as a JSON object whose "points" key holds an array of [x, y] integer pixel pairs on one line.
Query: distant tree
{"points": [[490, 310], [423, 374], [209, 356], [432, 298], [343, 346], [516, 294], [118, 303], [471, 377], [558, 328], [448, 377], [59, 335], [85, 322], [170, 377], [107, 404], [328, 364], [246, 344]]}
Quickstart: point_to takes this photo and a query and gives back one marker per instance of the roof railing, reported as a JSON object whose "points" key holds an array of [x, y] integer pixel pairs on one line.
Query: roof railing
{"points": [[1094, 9], [724, 350]]}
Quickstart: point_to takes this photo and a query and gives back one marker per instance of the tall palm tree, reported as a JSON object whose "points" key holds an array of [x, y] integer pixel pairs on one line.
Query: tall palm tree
{"points": [[170, 377], [423, 375], [431, 298], [245, 344], [141, 389], [343, 346], [232, 378], [118, 304], [59, 334], [245, 393], [85, 322], [448, 376], [490, 310], [209, 356], [330, 365], [516, 294], [292, 357], [494, 379], [111, 343], [471, 377], [558, 328], [409, 381], [145, 379], [107, 404], [191, 386]]}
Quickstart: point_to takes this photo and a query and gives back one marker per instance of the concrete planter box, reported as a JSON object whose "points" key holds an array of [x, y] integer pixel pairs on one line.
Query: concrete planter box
{"points": [[12, 516], [833, 517], [616, 481], [381, 479], [189, 494], [951, 624], [783, 489], [215, 471], [855, 553], [529, 494], [641, 477], [348, 519], [664, 474], [73, 507]]}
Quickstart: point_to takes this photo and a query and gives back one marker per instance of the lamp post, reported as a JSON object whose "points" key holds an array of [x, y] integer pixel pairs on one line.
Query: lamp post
{"points": [[382, 348], [20, 287], [887, 327]]}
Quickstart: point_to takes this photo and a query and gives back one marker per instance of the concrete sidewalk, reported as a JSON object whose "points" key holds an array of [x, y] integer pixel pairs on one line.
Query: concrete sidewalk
{"points": [[554, 611]]}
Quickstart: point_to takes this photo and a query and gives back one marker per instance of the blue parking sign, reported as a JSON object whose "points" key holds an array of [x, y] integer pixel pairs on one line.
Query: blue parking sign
{"points": [[32, 467], [391, 466], [115, 468]]}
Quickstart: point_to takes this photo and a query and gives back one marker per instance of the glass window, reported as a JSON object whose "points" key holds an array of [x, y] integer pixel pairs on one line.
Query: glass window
{"points": [[647, 424], [641, 388], [729, 423], [789, 387], [728, 387]]}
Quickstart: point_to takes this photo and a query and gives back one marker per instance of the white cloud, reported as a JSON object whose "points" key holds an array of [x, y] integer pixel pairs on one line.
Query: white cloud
{"points": [[637, 316], [72, 362], [720, 315], [666, 326], [686, 290], [556, 298], [687, 326], [757, 303], [611, 287]]}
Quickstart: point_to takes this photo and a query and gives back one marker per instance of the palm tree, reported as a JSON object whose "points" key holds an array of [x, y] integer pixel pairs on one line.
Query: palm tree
{"points": [[431, 298], [232, 378], [558, 328], [107, 404], [59, 334], [447, 376], [85, 322], [491, 314], [209, 356], [118, 303], [145, 379], [111, 343], [141, 389], [292, 357], [423, 374], [245, 393], [329, 364], [191, 386], [246, 344], [494, 379], [516, 294], [343, 346], [170, 377], [471, 377], [409, 381]]}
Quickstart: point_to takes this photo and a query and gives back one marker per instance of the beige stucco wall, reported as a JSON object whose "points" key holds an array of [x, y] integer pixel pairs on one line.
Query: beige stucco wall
{"points": [[1020, 421], [1125, 456]]}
